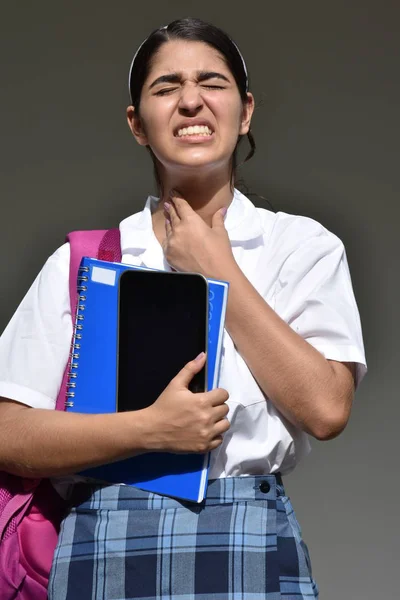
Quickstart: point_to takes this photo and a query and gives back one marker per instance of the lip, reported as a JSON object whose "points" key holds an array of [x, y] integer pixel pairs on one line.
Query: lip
{"points": [[192, 123]]}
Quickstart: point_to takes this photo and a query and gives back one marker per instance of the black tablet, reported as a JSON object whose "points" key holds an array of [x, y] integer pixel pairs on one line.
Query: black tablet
{"points": [[162, 325]]}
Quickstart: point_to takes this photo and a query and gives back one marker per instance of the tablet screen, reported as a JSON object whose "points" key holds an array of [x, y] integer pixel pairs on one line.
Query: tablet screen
{"points": [[162, 326]]}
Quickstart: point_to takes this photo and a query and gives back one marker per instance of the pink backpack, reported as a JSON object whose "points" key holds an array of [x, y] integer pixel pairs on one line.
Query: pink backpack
{"points": [[30, 509]]}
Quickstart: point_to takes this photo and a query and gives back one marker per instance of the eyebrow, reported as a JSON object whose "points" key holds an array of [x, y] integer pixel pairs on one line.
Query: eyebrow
{"points": [[177, 77]]}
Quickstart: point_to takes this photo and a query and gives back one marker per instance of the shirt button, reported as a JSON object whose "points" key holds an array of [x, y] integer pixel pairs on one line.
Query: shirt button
{"points": [[264, 487]]}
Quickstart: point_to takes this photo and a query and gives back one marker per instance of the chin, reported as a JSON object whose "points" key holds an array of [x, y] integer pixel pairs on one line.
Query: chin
{"points": [[194, 160], [200, 160], [196, 168]]}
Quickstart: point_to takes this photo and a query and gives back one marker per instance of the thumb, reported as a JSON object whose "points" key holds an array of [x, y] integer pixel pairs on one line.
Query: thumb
{"points": [[218, 218], [186, 374]]}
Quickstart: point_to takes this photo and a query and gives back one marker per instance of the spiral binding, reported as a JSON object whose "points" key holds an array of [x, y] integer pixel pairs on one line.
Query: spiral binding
{"points": [[76, 346]]}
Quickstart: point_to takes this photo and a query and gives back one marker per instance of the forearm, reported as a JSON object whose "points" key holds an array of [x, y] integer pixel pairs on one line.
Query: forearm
{"points": [[296, 377], [44, 443]]}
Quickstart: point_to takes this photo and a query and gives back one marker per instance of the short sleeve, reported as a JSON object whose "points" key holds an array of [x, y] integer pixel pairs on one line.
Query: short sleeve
{"points": [[35, 345], [315, 296]]}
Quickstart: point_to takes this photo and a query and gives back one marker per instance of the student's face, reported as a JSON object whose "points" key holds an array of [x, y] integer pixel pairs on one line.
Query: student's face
{"points": [[189, 84]]}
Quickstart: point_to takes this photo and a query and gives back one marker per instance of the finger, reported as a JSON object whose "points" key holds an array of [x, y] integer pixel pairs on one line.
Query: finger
{"points": [[217, 441], [218, 396], [168, 226], [220, 412], [218, 435], [221, 427], [171, 212], [186, 374], [182, 207], [218, 219]]}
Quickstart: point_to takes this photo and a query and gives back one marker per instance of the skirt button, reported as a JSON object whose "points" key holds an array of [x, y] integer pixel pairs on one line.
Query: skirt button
{"points": [[264, 487]]}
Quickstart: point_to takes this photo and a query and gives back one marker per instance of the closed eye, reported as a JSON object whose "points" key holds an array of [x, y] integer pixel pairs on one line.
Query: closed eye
{"points": [[165, 91]]}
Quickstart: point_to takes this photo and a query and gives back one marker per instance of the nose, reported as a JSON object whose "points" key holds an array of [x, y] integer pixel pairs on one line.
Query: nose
{"points": [[190, 100]]}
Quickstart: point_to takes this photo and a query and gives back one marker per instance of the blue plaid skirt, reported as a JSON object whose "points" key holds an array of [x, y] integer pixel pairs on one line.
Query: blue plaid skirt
{"points": [[243, 542]]}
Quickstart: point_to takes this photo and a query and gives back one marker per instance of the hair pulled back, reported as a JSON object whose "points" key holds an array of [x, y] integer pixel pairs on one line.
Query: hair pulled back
{"points": [[195, 30]]}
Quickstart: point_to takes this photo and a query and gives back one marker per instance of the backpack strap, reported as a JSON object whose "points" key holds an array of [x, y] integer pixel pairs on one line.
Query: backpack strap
{"points": [[18, 503], [104, 244], [21, 497]]}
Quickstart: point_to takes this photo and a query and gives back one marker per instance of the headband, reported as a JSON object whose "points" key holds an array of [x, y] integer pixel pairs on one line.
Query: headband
{"points": [[166, 27]]}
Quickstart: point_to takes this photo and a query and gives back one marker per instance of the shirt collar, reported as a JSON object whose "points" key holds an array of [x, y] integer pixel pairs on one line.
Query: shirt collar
{"points": [[242, 222]]}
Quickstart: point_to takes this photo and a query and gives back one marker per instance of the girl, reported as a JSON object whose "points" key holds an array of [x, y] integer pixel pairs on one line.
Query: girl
{"points": [[293, 355]]}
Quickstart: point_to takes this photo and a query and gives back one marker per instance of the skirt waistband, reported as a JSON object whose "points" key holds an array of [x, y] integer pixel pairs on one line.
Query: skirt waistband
{"points": [[220, 491]]}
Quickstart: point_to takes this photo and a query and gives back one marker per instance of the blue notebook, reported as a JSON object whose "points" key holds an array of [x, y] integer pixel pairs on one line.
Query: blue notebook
{"points": [[93, 379]]}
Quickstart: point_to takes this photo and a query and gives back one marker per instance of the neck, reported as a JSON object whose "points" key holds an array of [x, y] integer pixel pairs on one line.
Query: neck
{"points": [[205, 195]]}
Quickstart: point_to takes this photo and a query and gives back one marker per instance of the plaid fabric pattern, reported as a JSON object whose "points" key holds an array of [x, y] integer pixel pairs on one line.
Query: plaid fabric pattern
{"points": [[243, 542]]}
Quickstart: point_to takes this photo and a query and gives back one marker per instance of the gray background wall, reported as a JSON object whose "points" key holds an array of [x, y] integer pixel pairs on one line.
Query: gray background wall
{"points": [[326, 76]]}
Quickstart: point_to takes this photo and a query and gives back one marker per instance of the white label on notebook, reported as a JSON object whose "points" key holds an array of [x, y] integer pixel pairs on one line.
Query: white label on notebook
{"points": [[106, 276]]}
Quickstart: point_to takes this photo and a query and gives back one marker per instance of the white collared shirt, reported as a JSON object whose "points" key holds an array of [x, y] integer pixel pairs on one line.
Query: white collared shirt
{"points": [[298, 267]]}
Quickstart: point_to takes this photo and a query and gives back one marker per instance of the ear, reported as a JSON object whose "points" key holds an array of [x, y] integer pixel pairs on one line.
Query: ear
{"points": [[136, 126], [247, 114]]}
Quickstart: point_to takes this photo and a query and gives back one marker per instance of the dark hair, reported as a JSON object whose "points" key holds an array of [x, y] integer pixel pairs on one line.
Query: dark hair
{"points": [[196, 30]]}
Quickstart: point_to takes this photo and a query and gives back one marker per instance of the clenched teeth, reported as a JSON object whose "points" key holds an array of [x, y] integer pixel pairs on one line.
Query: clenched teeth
{"points": [[195, 130]]}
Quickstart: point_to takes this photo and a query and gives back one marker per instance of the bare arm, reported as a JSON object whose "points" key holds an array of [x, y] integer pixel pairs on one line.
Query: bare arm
{"points": [[312, 392], [43, 443]]}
